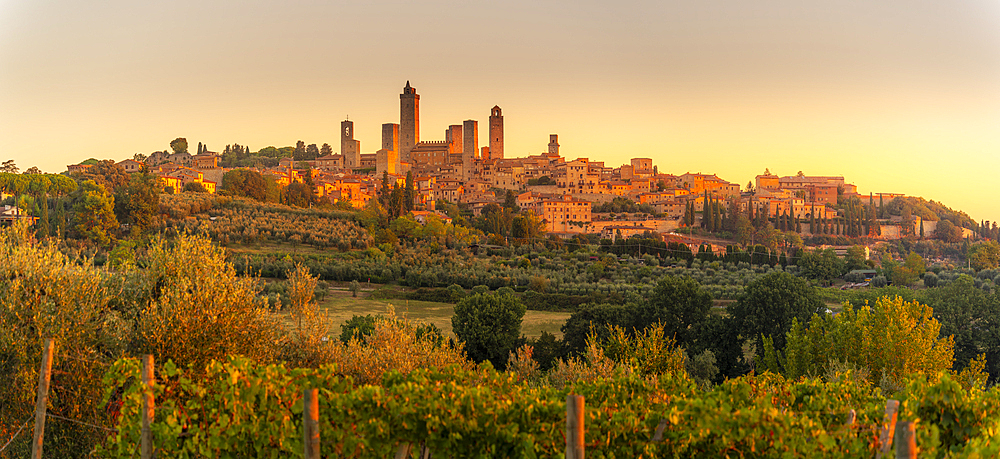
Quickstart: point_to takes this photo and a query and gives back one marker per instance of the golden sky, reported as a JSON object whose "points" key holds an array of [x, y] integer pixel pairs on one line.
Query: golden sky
{"points": [[897, 96]]}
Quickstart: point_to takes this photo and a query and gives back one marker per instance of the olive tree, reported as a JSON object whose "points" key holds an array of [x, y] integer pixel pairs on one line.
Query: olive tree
{"points": [[490, 326]]}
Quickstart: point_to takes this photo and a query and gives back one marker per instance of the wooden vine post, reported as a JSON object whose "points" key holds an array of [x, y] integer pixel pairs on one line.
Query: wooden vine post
{"points": [[148, 407], [574, 427], [42, 399], [310, 423], [906, 441], [888, 428]]}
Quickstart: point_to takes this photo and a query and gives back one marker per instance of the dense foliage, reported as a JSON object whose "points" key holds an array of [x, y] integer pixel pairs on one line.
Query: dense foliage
{"points": [[481, 412]]}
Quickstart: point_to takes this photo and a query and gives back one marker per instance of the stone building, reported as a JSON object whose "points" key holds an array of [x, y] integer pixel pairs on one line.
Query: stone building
{"points": [[409, 121], [470, 146], [349, 148], [390, 137], [553, 145], [564, 214], [496, 134], [386, 161], [433, 153]]}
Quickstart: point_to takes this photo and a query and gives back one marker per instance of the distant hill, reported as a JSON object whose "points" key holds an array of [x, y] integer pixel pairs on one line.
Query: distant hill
{"points": [[929, 210]]}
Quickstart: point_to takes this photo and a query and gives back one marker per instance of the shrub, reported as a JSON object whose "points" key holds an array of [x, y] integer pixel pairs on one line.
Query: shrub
{"points": [[489, 325]]}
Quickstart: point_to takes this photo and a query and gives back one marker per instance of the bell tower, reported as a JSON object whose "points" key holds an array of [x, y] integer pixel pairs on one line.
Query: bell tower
{"points": [[409, 121], [496, 133], [349, 148]]}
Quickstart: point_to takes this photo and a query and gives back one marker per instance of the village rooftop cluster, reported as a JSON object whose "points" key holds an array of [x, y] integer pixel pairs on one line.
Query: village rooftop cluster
{"points": [[561, 192]]}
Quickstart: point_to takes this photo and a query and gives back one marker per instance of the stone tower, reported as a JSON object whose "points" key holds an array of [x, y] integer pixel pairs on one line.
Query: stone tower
{"points": [[390, 137], [454, 138], [349, 148], [390, 145], [553, 144], [496, 133], [470, 141], [409, 121]]}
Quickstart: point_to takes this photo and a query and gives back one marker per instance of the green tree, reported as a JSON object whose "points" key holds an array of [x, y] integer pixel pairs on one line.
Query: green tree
{"points": [[972, 317], [137, 203], [9, 167], [510, 201], [822, 265], [769, 304], [46, 294], [744, 230], [680, 304], [194, 187], [95, 216], [312, 152], [245, 183], [855, 258], [193, 307], [357, 326], [299, 195], [907, 273], [947, 231], [891, 339], [984, 255], [107, 173], [527, 227], [489, 325], [179, 145], [768, 236], [299, 154], [410, 193], [596, 318]]}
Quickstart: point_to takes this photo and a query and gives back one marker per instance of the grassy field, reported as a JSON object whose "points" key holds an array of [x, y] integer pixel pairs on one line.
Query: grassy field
{"points": [[340, 306]]}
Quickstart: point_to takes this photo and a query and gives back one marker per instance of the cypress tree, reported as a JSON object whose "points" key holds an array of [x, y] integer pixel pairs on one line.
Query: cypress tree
{"points": [[716, 218], [43, 223], [409, 195], [704, 210], [798, 224], [383, 197]]}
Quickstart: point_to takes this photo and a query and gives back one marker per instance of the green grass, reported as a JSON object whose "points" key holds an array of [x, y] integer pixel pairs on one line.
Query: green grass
{"points": [[340, 306]]}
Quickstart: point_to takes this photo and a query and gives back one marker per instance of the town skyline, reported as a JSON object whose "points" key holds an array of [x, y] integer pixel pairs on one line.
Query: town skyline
{"points": [[903, 106]]}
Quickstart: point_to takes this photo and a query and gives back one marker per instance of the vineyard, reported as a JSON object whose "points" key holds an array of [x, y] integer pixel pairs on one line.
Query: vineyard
{"points": [[240, 409], [244, 221]]}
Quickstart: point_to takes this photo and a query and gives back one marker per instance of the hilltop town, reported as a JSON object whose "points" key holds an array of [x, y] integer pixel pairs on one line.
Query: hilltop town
{"points": [[562, 192]]}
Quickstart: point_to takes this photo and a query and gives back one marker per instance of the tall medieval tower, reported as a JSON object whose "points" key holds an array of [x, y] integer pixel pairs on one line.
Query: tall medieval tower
{"points": [[496, 133], [470, 140], [553, 144], [409, 121], [390, 137], [349, 148]]}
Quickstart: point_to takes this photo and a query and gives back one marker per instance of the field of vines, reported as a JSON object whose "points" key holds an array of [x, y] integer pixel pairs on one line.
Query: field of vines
{"points": [[241, 409], [243, 221]]}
